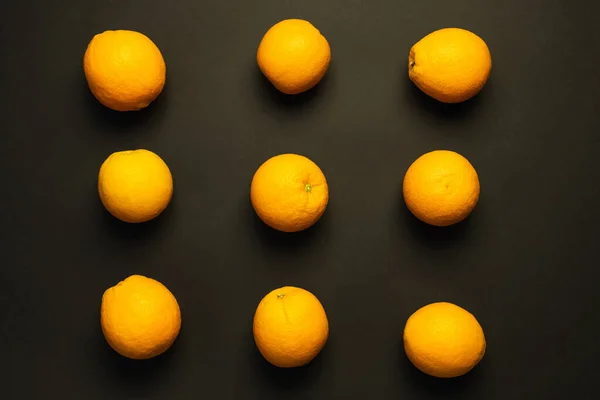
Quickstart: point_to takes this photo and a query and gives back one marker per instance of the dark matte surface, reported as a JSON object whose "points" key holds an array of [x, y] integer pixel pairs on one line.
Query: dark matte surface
{"points": [[525, 263]]}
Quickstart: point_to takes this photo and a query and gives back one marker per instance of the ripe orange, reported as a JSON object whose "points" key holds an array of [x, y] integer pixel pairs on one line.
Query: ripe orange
{"points": [[140, 317], [135, 185], [451, 64], [441, 188], [290, 327], [124, 69], [293, 55], [289, 192], [444, 340]]}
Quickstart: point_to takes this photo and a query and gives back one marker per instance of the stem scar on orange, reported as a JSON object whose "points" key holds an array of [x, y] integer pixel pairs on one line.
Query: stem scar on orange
{"points": [[290, 327], [289, 192], [140, 317], [451, 64]]}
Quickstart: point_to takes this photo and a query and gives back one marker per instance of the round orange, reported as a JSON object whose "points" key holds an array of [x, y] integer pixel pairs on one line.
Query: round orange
{"points": [[290, 327], [135, 185], [289, 192], [441, 188], [124, 69], [293, 55], [140, 317], [451, 64], [444, 340]]}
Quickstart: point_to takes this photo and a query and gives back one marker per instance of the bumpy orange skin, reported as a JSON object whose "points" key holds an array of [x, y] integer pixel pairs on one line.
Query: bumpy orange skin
{"points": [[294, 56], [289, 192], [451, 65], [441, 188], [135, 185], [444, 340], [290, 327], [140, 317], [124, 69]]}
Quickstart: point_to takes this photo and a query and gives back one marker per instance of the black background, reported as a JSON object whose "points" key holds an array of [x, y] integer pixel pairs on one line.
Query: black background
{"points": [[525, 263]]}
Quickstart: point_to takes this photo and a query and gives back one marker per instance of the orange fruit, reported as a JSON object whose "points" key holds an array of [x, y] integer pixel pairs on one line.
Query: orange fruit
{"points": [[451, 64], [290, 327], [135, 185], [441, 188], [444, 340], [140, 317], [289, 192], [293, 55], [124, 69]]}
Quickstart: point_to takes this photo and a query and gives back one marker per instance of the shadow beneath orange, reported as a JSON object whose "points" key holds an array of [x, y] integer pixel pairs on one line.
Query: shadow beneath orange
{"points": [[285, 379], [122, 121], [422, 103], [290, 104], [433, 237], [437, 388], [134, 233], [285, 242], [139, 376]]}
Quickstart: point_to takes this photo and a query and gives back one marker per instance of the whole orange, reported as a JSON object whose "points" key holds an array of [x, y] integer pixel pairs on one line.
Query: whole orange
{"points": [[140, 317], [135, 185], [451, 64], [444, 340], [441, 188], [290, 327], [124, 69], [293, 55], [289, 192]]}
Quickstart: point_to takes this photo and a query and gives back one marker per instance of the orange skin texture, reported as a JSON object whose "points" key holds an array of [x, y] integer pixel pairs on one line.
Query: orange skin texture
{"points": [[290, 327], [451, 65], [135, 185], [140, 317], [289, 192], [125, 70], [294, 56], [441, 188], [444, 340]]}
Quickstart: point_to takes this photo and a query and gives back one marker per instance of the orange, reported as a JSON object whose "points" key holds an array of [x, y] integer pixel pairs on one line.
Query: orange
{"points": [[140, 317], [293, 55], [441, 188], [289, 192], [124, 69], [290, 327], [135, 185], [451, 64], [444, 340]]}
